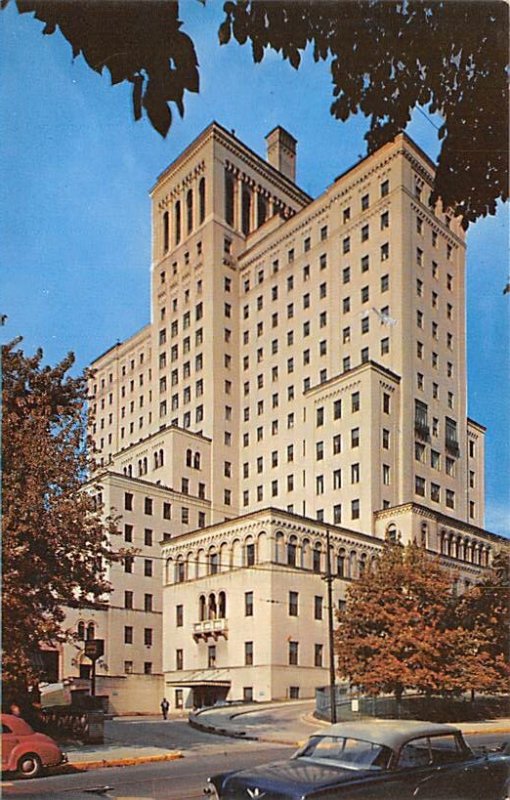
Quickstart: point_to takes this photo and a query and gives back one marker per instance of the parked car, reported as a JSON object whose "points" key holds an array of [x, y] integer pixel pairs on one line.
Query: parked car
{"points": [[26, 752], [390, 760]]}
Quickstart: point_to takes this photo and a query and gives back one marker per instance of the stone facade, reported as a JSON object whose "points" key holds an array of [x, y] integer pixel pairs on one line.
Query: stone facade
{"points": [[304, 370]]}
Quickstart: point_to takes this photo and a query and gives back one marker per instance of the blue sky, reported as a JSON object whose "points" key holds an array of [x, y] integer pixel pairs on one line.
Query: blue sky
{"points": [[75, 212]]}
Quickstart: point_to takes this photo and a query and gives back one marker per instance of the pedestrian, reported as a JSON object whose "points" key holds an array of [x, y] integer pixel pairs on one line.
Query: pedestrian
{"points": [[165, 705]]}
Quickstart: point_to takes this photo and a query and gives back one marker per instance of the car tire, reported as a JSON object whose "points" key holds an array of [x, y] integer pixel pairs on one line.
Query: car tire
{"points": [[29, 766]]}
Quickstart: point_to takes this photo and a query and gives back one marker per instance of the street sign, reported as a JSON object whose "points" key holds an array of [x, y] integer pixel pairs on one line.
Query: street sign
{"points": [[94, 648]]}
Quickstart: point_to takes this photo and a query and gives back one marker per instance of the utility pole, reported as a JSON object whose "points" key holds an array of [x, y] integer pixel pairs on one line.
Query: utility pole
{"points": [[329, 581]]}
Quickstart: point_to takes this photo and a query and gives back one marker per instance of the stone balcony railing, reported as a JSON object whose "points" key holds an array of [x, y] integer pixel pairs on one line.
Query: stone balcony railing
{"points": [[210, 629]]}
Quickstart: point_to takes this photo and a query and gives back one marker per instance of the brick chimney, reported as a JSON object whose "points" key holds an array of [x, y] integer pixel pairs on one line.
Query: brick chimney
{"points": [[281, 152]]}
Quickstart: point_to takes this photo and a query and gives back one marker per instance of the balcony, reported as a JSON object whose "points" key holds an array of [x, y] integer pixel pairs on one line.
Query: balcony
{"points": [[422, 430], [452, 447], [210, 629]]}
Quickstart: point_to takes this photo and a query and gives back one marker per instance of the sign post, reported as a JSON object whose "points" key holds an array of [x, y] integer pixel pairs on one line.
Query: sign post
{"points": [[94, 649]]}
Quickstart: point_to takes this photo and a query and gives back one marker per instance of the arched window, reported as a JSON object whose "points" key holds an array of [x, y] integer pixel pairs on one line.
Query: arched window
{"points": [[130, 471], [161, 458], [291, 551], [278, 547], [261, 210], [177, 222], [214, 563], [212, 607], [169, 570], [340, 564], [424, 534], [201, 608], [140, 466], [222, 605], [246, 211], [352, 564], [180, 570], [124, 470], [189, 458], [362, 564], [189, 210], [145, 465], [196, 461], [391, 532], [316, 558], [201, 200], [91, 631], [81, 630], [166, 232], [156, 460], [229, 199]]}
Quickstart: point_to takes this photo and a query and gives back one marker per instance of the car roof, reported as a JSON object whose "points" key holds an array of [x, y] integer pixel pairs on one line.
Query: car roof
{"points": [[16, 724], [391, 733]]}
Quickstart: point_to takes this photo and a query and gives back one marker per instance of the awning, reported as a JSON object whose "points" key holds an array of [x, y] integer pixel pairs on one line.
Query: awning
{"points": [[206, 677]]}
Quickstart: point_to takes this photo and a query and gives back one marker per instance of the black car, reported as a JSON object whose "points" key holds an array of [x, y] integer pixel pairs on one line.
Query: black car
{"points": [[390, 760]]}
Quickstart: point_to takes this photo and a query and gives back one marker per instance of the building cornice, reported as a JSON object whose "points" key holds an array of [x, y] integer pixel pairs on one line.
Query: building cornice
{"points": [[440, 518]]}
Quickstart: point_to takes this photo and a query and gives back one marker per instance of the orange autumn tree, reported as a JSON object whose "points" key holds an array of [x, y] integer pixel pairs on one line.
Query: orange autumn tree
{"points": [[55, 545], [398, 631], [484, 614]]}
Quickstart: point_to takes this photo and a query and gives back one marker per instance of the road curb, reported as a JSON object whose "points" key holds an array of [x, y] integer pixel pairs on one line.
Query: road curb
{"points": [[83, 766]]}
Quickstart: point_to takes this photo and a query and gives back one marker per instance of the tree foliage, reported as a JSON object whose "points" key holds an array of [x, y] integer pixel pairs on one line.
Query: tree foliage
{"points": [[386, 57], [404, 628], [136, 41], [484, 613], [55, 545]]}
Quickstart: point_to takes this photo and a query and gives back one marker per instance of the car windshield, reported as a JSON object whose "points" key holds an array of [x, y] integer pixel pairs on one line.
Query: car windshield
{"points": [[346, 752]]}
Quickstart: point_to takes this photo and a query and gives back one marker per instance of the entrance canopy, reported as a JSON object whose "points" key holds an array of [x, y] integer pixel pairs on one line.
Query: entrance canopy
{"points": [[202, 678]]}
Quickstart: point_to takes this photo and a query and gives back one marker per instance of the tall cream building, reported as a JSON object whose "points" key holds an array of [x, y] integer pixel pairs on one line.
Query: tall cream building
{"points": [[304, 371]]}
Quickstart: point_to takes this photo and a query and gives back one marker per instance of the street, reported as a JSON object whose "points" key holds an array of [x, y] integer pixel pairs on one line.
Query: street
{"points": [[184, 779]]}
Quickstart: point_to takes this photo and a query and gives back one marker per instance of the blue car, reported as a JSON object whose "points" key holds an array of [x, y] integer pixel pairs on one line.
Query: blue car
{"points": [[379, 760]]}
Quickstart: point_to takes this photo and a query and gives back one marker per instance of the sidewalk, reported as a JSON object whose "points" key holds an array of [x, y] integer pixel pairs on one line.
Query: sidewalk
{"points": [[115, 753], [255, 722], [235, 721]]}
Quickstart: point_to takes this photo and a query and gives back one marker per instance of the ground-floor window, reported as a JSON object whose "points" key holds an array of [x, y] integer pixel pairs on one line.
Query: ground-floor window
{"points": [[179, 703], [294, 692], [247, 694]]}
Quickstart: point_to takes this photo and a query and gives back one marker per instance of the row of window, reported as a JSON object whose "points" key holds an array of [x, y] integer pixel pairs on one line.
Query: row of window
{"points": [[166, 509], [129, 602], [249, 655], [129, 638], [187, 212]]}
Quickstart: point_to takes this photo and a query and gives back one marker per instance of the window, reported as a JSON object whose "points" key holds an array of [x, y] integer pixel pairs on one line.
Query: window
{"points": [[365, 325], [317, 607], [385, 346], [385, 188], [386, 473], [128, 533], [179, 659], [147, 567], [435, 459], [293, 604], [450, 498], [419, 486], [128, 563], [365, 294], [293, 653], [385, 439], [365, 233], [318, 655], [364, 355], [355, 437], [128, 501], [346, 274], [385, 283], [147, 537], [337, 514], [128, 599], [365, 202], [346, 215], [346, 245], [355, 509], [148, 505], [248, 604], [248, 654], [346, 305], [337, 479], [365, 263], [355, 473], [435, 492], [128, 634], [385, 251], [355, 402]]}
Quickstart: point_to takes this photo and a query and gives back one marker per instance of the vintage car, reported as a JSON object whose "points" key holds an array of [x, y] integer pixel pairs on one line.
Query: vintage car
{"points": [[394, 760], [24, 751]]}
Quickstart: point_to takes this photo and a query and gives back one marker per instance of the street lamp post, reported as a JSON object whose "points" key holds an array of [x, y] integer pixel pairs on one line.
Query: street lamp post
{"points": [[329, 581]]}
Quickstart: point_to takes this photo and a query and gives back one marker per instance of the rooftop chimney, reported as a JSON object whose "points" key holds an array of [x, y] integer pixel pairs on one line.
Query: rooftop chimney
{"points": [[281, 152]]}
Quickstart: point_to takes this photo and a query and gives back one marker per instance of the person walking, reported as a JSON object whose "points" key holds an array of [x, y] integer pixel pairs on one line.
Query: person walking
{"points": [[165, 705]]}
